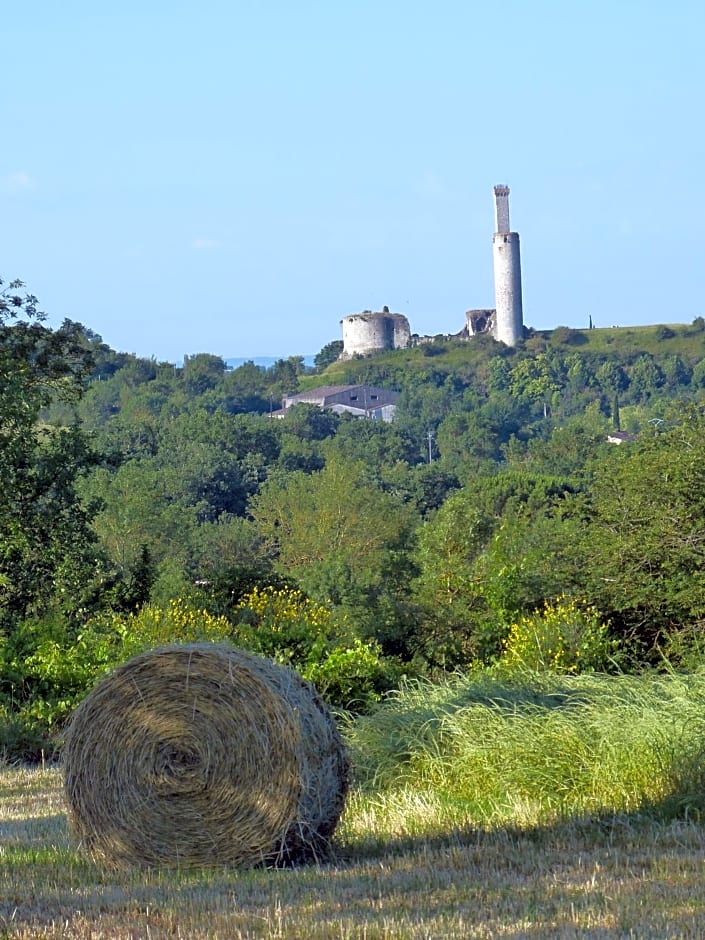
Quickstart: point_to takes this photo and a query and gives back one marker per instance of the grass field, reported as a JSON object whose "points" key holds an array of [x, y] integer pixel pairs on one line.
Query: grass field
{"points": [[431, 846]]}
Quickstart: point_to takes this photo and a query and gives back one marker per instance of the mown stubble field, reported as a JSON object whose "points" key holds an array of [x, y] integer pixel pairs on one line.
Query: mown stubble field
{"points": [[618, 876]]}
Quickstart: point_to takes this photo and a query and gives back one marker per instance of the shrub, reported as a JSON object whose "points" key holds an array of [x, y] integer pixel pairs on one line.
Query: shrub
{"points": [[289, 627], [282, 623], [23, 737], [45, 669], [154, 625], [564, 637], [49, 668], [567, 336], [684, 647], [436, 348]]}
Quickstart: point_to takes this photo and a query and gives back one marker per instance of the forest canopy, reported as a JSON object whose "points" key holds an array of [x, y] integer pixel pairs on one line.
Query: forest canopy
{"points": [[541, 505]]}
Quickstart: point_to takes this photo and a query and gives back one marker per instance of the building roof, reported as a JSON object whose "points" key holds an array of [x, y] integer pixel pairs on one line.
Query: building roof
{"points": [[360, 400], [325, 392]]}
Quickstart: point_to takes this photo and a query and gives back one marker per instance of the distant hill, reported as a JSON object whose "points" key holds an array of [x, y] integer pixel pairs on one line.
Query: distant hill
{"points": [[452, 356], [265, 361]]}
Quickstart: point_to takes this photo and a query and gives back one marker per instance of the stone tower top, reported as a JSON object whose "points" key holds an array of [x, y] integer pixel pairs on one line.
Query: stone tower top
{"points": [[501, 196]]}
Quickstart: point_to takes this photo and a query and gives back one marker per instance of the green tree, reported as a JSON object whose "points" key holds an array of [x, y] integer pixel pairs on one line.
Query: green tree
{"points": [[499, 375], [533, 556], [611, 378], [345, 541], [138, 509], [202, 372], [46, 546], [468, 434], [245, 390], [425, 401], [565, 451], [645, 377], [449, 545], [379, 443], [337, 516], [698, 376], [425, 486], [327, 355], [536, 379], [645, 540], [226, 550], [283, 377], [308, 422], [676, 372]]}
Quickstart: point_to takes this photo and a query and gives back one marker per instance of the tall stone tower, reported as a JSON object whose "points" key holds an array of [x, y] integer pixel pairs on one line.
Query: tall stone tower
{"points": [[509, 322]]}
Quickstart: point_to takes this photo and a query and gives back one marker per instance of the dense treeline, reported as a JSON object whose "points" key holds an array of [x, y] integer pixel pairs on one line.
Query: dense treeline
{"points": [[491, 522]]}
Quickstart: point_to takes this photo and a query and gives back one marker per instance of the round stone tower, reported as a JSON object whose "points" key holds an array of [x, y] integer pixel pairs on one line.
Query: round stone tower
{"points": [[367, 333], [509, 322]]}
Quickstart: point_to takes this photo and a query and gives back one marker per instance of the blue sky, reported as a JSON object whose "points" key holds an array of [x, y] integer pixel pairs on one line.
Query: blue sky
{"points": [[235, 177]]}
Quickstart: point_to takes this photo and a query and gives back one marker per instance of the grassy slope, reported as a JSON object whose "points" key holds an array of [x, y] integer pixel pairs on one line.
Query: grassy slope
{"points": [[412, 863], [630, 342], [688, 342]]}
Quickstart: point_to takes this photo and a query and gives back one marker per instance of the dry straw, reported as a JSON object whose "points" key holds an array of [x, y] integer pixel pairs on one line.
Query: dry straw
{"points": [[203, 754]]}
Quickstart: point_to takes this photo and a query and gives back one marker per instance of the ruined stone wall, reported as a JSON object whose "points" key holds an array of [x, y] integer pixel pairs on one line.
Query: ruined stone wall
{"points": [[479, 321]]}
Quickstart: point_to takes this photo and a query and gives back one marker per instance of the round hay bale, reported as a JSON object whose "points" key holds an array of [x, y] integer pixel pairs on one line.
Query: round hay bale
{"points": [[203, 754]]}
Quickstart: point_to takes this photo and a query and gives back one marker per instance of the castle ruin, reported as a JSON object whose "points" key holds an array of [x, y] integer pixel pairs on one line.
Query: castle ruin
{"points": [[370, 332]]}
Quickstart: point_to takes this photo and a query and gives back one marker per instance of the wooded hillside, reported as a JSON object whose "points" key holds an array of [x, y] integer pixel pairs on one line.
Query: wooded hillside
{"points": [[491, 521]]}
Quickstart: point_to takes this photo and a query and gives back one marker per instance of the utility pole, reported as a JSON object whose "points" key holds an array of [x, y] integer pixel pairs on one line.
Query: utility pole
{"points": [[430, 445]]}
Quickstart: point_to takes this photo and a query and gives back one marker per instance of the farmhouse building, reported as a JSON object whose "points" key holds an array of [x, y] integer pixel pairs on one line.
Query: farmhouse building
{"points": [[361, 401]]}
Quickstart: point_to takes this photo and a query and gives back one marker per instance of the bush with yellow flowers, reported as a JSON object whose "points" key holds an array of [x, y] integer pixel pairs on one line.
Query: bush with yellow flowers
{"points": [[50, 665], [179, 621], [46, 684], [283, 623], [566, 636], [286, 625]]}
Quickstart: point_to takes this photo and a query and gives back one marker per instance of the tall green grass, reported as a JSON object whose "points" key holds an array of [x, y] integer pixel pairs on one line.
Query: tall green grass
{"points": [[483, 749]]}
